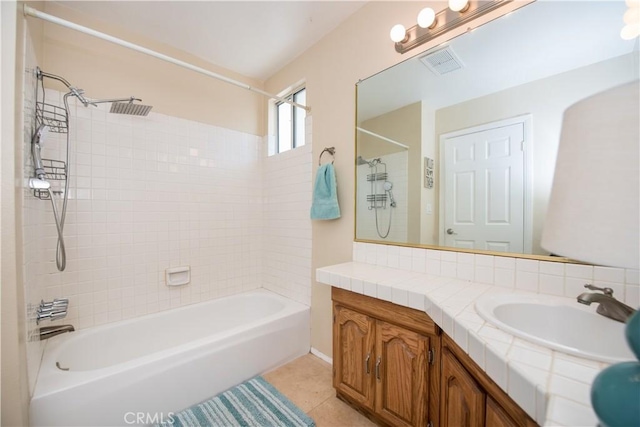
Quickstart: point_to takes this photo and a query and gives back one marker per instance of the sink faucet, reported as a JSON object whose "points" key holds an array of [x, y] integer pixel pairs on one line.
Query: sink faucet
{"points": [[608, 306], [52, 331]]}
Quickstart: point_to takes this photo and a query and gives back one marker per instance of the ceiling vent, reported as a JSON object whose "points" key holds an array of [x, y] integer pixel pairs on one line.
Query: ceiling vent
{"points": [[442, 61]]}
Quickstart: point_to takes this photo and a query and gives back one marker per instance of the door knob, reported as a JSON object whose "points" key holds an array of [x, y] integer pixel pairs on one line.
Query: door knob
{"points": [[450, 231]]}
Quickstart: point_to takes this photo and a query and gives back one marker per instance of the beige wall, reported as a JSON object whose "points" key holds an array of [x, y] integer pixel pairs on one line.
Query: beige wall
{"points": [[429, 221], [14, 387], [355, 50], [105, 70], [545, 100]]}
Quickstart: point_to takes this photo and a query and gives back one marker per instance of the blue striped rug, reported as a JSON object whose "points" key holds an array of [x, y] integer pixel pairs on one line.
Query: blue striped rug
{"points": [[254, 403]]}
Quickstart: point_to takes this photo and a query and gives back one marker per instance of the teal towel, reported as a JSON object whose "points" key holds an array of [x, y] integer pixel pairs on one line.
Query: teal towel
{"points": [[325, 194]]}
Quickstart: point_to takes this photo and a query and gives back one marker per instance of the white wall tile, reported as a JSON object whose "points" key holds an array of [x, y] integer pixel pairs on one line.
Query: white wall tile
{"points": [[526, 281], [579, 271], [608, 274], [551, 285]]}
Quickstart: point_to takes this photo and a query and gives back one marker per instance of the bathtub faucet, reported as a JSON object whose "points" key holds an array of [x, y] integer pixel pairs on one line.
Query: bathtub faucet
{"points": [[52, 310], [51, 331]]}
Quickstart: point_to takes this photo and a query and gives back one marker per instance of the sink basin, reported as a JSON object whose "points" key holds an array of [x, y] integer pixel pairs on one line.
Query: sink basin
{"points": [[559, 323]]}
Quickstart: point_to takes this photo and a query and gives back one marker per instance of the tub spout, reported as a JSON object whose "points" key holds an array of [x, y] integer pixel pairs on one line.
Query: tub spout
{"points": [[51, 331]]}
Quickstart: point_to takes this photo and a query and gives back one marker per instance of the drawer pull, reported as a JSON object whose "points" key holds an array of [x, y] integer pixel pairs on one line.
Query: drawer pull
{"points": [[378, 368], [366, 363]]}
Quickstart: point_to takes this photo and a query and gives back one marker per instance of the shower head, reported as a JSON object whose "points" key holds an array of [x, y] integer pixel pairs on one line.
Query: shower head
{"points": [[124, 106], [361, 161], [119, 107]]}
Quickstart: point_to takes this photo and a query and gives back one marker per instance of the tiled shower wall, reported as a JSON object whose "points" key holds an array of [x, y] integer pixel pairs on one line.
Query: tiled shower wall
{"points": [[146, 194], [287, 227], [35, 214]]}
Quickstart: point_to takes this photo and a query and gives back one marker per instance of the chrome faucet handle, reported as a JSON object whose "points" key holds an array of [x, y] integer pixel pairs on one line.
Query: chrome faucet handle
{"points": [[58, 302], [607, 291], [51, 315]]}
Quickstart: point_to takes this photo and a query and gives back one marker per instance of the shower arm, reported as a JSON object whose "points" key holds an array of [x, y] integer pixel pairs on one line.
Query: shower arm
{"points": [[78, 93], [103, 101]]}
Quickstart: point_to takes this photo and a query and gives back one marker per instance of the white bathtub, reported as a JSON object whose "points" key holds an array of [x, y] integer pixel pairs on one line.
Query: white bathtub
{"points": [[139, 371]]}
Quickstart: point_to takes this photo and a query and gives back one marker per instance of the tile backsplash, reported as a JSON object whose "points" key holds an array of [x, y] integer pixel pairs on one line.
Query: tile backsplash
{"points": [[545, 277]]}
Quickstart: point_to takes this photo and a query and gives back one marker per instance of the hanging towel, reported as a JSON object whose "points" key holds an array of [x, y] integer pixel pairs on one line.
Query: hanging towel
{"points": [[325, 194]]}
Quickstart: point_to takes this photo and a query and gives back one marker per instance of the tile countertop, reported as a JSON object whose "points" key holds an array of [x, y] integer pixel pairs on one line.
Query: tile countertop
{"points": [[552, 387]]}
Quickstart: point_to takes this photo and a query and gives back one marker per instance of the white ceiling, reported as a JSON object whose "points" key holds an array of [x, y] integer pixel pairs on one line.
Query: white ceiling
{"points": [[540, 40], [253, 38]]}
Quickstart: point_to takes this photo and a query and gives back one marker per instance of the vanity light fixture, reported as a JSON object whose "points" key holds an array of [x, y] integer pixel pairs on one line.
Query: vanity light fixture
{"points": [[432, 24], [427, 18], [631, 18], [398, 33], [459, 5]]}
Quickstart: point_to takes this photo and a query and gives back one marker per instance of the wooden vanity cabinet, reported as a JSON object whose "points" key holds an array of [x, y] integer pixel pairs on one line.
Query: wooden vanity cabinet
{"points": [[463, 401], [384, 360], [469, 398]]}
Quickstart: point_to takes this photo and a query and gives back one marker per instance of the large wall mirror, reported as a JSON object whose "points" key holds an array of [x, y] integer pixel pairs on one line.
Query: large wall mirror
{"points": [[456, 147]]}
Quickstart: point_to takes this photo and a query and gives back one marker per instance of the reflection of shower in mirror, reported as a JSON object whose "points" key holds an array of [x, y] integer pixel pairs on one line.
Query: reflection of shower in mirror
{"points": [[377, 198], [388, 186]]}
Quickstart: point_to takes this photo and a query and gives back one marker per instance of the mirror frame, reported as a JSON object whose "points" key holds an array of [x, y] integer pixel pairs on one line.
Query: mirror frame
{"points": [[501, 11]]}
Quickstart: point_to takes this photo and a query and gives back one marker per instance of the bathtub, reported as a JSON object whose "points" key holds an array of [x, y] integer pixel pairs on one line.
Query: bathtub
{"points": [[139, 371]]}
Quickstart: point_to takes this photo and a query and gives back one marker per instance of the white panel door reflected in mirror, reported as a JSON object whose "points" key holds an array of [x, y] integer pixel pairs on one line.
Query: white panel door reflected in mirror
{"points": [[490, 125]]}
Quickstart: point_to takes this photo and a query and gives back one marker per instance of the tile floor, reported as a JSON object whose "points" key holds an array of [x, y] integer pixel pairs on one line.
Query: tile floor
{"points": [[306, 381]]}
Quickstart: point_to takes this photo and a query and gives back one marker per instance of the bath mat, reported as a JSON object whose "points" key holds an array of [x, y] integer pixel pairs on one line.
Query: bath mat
{"points": [[254, 403]]}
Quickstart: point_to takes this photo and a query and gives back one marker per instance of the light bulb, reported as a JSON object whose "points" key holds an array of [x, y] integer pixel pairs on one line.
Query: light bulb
{"points": [[629, 32], [632, 16], [398, 33], [458, 5], [427, 18]]}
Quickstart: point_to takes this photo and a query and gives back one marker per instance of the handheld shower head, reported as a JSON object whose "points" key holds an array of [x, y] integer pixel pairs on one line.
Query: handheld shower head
{"points": [[388, 185], [38, 137]]}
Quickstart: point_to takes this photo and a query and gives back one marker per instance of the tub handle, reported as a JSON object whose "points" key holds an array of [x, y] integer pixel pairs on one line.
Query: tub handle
{"points": [[378, 367], [366, 363], [60, 367]]}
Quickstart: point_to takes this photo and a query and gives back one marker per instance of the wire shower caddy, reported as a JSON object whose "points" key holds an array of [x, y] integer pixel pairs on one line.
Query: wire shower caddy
{"points": [[57, 121]]}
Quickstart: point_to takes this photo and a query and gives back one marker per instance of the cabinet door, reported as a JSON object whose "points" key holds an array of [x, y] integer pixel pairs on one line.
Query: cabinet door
{"points": [[462, 401], [496, 416], [353, 358], [401, 375]]}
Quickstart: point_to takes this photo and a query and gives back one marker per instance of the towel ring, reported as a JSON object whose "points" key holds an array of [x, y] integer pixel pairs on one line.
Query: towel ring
{"points": [[330, 150]]}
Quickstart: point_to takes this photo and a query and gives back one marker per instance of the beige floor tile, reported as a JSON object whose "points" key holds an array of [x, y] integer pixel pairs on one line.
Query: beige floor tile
{"points": [[335, 413], [306, 381]]}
